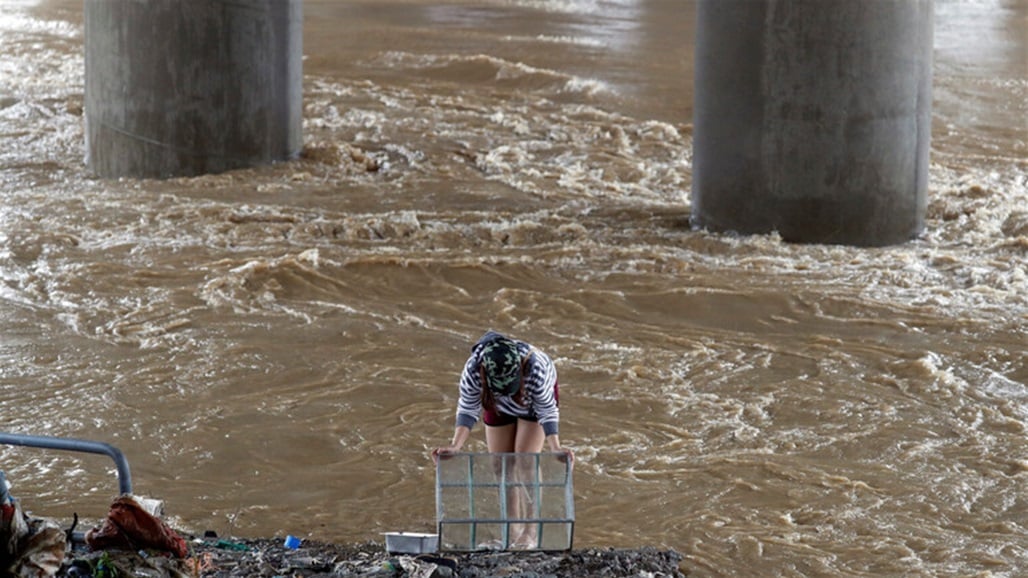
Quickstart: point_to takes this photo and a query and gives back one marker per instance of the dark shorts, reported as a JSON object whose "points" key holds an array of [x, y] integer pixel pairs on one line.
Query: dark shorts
{"points": [[494, 418]]}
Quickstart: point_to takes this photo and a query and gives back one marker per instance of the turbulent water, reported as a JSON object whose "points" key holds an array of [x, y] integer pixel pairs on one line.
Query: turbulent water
{"points": [[277, 349]]}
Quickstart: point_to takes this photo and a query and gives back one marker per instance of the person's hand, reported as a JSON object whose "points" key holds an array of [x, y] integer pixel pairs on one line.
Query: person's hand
{"points": [[443, 453], [567, 456]]}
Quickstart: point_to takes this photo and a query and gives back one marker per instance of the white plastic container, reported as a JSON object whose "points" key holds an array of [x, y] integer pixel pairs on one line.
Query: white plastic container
{"points": [[411, 543]]}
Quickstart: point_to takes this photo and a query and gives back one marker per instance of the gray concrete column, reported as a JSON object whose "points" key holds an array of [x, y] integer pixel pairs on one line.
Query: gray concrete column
{"points": [[813, 118], [186, 87]]}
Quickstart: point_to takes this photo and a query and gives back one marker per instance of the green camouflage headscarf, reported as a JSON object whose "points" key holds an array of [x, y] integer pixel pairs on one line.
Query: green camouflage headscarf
{"points": [[501, 364]]}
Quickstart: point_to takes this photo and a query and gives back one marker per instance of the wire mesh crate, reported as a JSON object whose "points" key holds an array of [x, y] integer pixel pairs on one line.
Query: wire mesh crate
{"points": [[499, 501]]}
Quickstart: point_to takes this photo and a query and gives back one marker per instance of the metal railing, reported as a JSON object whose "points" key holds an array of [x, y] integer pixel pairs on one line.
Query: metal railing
{"points": [[76, 445]]}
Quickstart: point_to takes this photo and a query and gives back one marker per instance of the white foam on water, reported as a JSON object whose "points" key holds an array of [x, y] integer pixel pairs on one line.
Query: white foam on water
{"points": [[549, 39], [574, 6]]}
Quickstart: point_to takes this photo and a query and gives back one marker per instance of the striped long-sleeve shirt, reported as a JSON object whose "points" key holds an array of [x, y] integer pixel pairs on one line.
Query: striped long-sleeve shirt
{"points": [[539, 401]]}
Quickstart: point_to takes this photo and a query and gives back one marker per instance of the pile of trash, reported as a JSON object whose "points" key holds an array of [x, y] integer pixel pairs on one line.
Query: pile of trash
{"points": [[33, 547], [133, 541], [28, 547], [270, 558]]}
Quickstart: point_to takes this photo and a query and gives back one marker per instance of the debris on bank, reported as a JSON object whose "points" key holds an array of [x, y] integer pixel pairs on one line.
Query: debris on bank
{"points": [[269, 558], [134, 542]]}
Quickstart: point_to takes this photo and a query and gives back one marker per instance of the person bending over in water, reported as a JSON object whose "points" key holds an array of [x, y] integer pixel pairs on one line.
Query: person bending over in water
{"points": [[513, 387]]}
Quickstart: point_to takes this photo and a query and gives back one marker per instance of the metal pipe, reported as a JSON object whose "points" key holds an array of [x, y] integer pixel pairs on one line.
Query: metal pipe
{"points": [[76, 445], [505, 534]]}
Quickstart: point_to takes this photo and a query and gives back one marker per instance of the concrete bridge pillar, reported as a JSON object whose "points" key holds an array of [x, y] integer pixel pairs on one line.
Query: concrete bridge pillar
{"points": [[179, 88], [813, 118]]}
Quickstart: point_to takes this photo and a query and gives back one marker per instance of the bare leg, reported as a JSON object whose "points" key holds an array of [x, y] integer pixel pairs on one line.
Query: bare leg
{"points": [[523, 437], [529, 440], [501, 440]]}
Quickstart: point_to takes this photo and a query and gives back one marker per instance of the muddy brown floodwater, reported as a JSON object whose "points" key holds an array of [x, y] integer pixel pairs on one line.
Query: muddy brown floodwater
{"points": [[277, 349]]}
